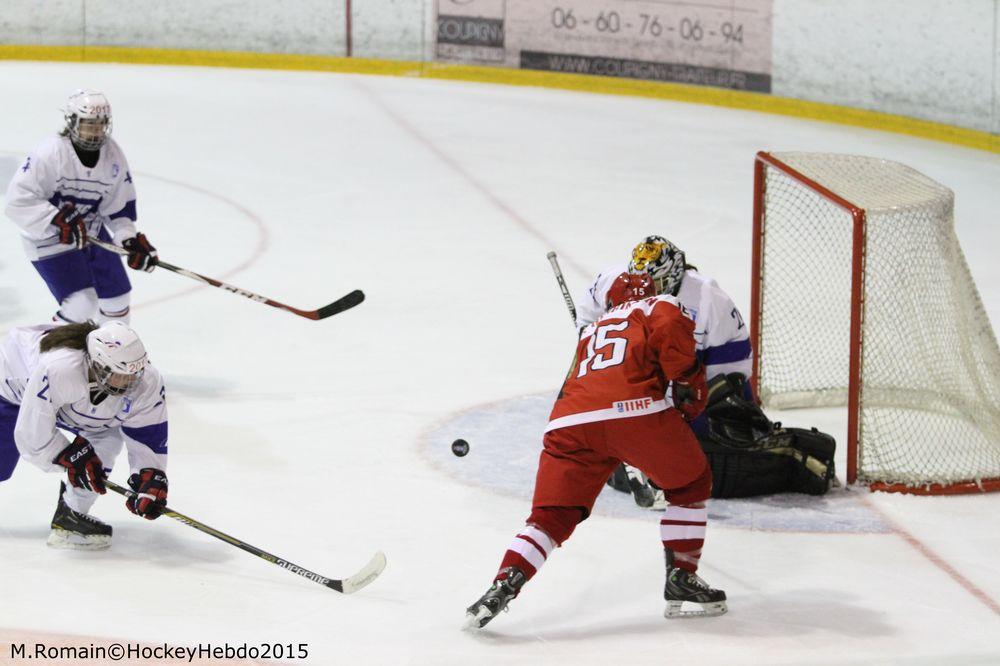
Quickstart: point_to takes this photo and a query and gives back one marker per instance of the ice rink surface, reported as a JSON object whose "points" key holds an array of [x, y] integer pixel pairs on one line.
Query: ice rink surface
{"points": [[326, 441]]}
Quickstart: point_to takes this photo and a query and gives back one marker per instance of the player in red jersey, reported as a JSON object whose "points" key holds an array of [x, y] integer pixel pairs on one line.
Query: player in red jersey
{"points": [[635, 383]]}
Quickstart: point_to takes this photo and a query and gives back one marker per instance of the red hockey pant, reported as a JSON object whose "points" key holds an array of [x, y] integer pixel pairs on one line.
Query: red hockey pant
{"points": [[577, 460]]}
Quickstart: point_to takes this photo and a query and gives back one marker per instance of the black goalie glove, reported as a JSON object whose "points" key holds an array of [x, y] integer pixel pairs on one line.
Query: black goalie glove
{"points": [[142, 256], [150, 486]]}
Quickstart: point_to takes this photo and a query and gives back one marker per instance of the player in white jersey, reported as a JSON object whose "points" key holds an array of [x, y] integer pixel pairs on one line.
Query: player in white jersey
{"points": [[94, 383], [722, 338], [74, 185]]}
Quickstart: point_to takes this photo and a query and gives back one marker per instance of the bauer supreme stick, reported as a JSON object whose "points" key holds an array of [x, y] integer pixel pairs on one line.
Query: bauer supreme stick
{"points": [[347, 586], [562, 285], [343, 303]]}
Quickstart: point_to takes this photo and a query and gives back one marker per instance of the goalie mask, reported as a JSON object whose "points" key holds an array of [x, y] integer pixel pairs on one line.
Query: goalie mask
{"points": [[116, 358], [629, 287], [664, 262], [88, 119]]}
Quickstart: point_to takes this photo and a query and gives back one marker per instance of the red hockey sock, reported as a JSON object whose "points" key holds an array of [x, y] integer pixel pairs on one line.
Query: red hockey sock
{"points": [[528, 552], [682, 530]]}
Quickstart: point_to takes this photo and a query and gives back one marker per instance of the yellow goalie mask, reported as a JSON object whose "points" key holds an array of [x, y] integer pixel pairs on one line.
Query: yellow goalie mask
{"points": [[664, 262]]}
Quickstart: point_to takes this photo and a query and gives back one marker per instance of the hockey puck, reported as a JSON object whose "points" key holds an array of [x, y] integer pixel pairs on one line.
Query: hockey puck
{"points": [[460, 447]]}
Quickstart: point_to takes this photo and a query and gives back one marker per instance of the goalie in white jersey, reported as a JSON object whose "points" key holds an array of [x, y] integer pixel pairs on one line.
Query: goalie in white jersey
{"points": [[96, 384], [74, 185], [722, 338]]}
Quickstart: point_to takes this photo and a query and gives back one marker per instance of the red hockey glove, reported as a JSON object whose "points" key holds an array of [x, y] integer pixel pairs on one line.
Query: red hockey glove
{"points": [[142, 255], [150, 486], [690, 392], [83, 468], [71, 225]]}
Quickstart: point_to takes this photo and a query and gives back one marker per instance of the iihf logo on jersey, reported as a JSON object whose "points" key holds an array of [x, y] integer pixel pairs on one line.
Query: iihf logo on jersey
{"points": [[114, 170], [633, 405]]}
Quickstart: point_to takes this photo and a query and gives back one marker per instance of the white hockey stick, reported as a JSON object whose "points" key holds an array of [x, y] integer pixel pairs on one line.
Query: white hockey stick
{"points": [[562, 285]]}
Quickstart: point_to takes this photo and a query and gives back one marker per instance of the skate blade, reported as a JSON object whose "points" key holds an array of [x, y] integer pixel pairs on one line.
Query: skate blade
{"points": [[66, 540], [676, 609], [477, 620]]}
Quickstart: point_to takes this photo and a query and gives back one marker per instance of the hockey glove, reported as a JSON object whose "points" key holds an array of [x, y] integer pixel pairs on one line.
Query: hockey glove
{"points": [[71, 225], [142, 255], [150, 486], [83, 468], [690, 393]]}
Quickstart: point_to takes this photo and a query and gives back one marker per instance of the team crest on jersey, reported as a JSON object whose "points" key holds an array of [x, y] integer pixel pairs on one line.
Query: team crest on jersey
{"points": [[126, 405], [114, 170]]}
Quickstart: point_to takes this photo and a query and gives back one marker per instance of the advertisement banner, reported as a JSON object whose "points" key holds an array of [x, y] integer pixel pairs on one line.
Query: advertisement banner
{"points": [[725, 44], [471, 30]]}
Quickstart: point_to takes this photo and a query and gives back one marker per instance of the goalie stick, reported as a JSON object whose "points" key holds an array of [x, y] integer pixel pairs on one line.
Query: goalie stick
{"points": [[562, 285], [349, 585], [343, 303]]}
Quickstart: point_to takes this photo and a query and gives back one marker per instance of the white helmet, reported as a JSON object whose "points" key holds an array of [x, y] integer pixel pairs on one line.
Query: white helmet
{"points": [[116, 358], [88, 119]]}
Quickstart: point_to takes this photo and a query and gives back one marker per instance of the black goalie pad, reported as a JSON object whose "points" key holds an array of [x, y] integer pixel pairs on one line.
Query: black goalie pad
{"points": [[751, 456]]}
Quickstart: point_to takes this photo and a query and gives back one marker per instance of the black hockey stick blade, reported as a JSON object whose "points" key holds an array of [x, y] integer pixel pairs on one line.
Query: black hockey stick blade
{"points": [[348, 585], [347, 302]]}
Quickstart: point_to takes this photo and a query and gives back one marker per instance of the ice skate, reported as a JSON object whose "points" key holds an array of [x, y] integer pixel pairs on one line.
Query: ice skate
{"points": [[77, 531], [642, 492], [495, 600], [683, 586]]}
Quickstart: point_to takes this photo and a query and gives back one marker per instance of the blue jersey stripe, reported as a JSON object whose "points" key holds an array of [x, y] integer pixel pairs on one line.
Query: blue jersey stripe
{"points": [[731, 352], [128, 211], [63, 179], [154, 436]]}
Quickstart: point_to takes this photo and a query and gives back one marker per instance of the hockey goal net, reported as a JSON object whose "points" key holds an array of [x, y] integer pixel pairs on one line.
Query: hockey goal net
{"points": [[862, 297]]}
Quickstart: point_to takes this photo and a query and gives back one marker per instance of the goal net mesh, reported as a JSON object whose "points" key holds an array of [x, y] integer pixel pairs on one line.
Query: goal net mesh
{"points": [[930, 393]]}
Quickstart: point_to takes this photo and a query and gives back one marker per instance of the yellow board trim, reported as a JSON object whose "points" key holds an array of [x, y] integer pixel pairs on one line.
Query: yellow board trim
{"points": [[733, 99]]}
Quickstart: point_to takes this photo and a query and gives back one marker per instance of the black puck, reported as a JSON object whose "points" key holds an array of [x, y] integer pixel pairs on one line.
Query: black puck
{"points": [[460, 447]]}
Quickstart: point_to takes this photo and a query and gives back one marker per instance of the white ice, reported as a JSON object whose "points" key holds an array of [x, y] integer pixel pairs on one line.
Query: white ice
{"points": [[325, 441]]}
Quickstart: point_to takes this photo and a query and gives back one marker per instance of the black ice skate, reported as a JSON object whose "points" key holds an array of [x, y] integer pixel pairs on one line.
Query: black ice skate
{"points": [[495, 600], [684, 586], [77, 531], [644, 492]]}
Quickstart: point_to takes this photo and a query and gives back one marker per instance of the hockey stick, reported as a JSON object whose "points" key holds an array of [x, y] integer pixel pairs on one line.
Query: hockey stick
{"points": [[562, 285], [343, 303], [347, 586]]}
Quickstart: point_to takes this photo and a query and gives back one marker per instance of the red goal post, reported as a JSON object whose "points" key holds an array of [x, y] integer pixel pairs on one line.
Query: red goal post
{"points": [[861, 296]]}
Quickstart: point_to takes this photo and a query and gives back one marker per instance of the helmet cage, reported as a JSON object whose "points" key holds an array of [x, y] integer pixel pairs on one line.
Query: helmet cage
{"points": [[107, 380]]}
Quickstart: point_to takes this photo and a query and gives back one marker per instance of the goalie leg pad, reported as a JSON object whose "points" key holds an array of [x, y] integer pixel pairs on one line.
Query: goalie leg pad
{"points": [[787, 460]]}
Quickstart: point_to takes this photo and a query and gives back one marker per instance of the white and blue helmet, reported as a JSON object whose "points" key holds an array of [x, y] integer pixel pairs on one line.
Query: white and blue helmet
{"points": [[88, 119], [116, 358]]}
